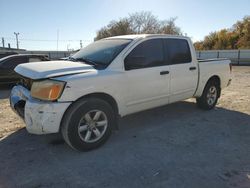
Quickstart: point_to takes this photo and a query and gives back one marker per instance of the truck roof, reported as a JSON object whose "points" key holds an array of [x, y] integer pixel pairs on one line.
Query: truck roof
{"points": [[136, 36]]}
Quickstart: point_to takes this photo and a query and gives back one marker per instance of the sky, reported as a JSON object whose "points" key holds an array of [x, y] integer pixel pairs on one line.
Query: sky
{"points": [[39, 23]]}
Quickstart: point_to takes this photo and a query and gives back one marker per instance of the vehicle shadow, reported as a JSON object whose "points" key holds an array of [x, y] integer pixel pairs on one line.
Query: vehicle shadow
{"points": [[170, 146]]}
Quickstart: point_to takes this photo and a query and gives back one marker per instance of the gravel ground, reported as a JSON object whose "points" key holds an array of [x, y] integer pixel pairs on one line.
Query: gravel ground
{"points": [[172, 146]]}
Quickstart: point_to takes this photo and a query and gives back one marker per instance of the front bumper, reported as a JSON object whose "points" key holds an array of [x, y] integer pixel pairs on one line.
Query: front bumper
{"points": [[40, 117]]}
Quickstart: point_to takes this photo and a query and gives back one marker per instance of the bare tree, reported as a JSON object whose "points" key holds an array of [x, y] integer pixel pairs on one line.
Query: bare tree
{"points": [[114, 28], [169, 27], [138, 23], [144, 22]]}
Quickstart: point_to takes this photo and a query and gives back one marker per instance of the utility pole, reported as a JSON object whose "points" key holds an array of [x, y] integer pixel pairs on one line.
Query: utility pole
{"points": [[81, 44], [57, 40], [17, 42], [3, 42]]}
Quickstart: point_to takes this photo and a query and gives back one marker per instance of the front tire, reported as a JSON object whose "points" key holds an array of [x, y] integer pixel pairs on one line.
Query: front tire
{"points": [[87, 124], [210, 96]]}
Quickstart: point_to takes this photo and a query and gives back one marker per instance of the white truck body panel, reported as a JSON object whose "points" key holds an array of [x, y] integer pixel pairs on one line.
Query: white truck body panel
{"points": [[52, 69], [133, 90], [214, 67]]}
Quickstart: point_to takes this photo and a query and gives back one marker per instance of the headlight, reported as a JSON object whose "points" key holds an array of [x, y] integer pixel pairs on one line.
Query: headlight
{"points": [[48, 90]]}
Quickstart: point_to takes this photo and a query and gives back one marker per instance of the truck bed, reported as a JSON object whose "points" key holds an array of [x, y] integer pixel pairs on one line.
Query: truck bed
{"points": [[213, 67]]}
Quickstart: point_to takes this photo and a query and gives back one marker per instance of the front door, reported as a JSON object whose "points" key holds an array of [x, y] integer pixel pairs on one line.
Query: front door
{"points": [[147, 76]]}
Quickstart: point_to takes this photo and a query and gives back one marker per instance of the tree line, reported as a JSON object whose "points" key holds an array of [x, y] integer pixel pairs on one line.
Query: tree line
{"points": [[236, 37]]}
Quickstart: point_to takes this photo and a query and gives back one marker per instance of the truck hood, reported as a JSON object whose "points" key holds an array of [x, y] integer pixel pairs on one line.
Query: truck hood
{"points": [[48, 69]]}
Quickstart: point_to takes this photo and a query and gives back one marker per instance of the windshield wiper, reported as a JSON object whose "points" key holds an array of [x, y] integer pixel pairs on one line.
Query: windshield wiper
{"points": [[72, 59], [88, 61]]}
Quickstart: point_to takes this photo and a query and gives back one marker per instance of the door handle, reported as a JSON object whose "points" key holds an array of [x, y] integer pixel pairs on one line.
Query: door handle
{"points": [[192, 68], [164, 72]]}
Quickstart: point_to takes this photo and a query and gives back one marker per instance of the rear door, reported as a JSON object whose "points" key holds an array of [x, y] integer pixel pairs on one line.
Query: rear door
{"points": [[147, 76], [183, 70], [7, 73]]}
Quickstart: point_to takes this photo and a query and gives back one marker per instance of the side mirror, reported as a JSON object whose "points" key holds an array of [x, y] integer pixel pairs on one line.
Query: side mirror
{"points": [[134, 62]]}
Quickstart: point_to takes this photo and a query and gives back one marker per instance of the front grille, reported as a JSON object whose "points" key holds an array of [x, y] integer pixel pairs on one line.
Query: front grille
{"points": [[26, 82]]}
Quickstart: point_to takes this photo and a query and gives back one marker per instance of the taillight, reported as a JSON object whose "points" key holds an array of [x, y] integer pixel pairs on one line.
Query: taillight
{"points": [[230, 67]]}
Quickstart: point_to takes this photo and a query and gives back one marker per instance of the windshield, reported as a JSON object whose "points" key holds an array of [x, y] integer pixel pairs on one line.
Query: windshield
{"points": [[101, 52]]}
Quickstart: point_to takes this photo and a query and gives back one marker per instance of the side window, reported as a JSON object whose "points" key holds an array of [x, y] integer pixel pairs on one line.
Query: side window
{"points": [[146, 54], [177, 51], [34, 59], [14, 61]]}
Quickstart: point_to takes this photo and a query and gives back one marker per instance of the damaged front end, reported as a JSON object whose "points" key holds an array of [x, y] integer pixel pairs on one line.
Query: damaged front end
{"points": [[18, 97], [40, 117]]}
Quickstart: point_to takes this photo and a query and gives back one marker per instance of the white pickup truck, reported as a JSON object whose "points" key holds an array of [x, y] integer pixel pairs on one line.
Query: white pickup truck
{"points": [[83, 96]]}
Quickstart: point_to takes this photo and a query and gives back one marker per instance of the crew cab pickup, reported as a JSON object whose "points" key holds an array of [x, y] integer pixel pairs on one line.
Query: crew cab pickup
{"points": [[83, 96]]}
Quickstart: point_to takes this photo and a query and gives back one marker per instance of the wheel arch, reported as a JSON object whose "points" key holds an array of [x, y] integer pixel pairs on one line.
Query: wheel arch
{"points": [[104, 96], [215, 78]]}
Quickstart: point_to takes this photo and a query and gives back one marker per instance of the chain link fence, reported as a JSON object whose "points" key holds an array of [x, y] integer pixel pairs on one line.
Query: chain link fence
{"points": [[238, 57]]}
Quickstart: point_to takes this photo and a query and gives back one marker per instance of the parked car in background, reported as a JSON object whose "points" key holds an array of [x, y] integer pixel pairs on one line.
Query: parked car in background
{"points": [[8, 64], [5, 54], [112, 77], [64, 58]]}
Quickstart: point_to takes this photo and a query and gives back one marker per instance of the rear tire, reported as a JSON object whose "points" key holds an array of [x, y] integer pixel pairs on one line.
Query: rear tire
{"points": [[210, 96], [87, 124]]}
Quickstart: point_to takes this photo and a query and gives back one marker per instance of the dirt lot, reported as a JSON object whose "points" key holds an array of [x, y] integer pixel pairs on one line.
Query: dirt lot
{"points": [[9, 121], [173, 146]]}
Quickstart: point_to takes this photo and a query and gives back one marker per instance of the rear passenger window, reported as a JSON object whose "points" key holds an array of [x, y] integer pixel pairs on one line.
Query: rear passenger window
{"points": [[177, 51]]}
